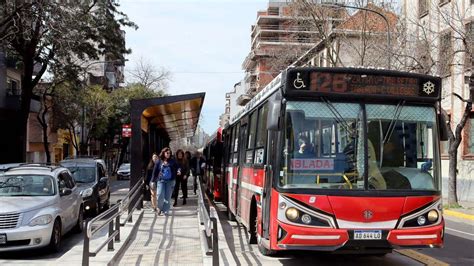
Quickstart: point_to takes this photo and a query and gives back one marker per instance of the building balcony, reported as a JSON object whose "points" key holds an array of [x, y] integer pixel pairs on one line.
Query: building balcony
{"points": [[243, 99]]}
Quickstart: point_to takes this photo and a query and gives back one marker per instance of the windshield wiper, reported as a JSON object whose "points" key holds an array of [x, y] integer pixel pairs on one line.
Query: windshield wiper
{"points": [[8, 185], [339, 118], [391, 128]]}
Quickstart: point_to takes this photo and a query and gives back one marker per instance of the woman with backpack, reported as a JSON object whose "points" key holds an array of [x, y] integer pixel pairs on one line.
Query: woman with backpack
{"points": [[164, 175]]}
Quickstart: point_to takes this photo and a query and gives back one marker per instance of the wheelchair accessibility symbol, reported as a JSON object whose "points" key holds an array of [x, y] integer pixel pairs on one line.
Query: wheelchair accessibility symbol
{"points": [[298, 83]]}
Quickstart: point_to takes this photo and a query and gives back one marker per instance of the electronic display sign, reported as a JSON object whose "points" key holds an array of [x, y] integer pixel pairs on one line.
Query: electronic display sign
{"points": [[362, 83]]}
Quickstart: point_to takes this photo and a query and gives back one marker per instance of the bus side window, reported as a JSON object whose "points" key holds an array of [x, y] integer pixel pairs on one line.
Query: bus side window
{"points": [[251, 138], [235, 158], [261, 135]]}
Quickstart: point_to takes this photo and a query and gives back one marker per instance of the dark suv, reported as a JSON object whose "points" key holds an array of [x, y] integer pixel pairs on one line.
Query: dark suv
{"points": [[91, 177]]}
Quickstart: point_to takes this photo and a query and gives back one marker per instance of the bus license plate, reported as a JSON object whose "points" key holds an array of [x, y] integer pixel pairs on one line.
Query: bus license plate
{"points": [[368, 234], [3, 239]]}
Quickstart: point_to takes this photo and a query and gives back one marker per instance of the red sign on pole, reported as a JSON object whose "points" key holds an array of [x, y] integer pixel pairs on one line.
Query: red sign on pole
{"points": [[126, 131]]}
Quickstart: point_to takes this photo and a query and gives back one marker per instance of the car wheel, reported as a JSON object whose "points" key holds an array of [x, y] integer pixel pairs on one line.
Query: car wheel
{"points": [[80, 221], [55, 241]]}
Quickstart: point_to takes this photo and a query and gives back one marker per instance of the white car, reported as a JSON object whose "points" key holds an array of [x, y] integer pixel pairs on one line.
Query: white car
{"points": [[123, 171], [39, 204]]}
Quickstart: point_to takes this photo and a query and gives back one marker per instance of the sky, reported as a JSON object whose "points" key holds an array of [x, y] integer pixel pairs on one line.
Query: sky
{"points": [[202, 43]]}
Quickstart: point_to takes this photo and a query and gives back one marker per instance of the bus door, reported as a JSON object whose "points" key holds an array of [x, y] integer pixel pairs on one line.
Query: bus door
{"points": [[242, 146], [270, 168]]}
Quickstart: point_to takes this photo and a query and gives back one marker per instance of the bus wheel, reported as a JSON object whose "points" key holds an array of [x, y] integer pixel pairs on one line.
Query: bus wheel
{"points": [[253, 224], [265, 251]]}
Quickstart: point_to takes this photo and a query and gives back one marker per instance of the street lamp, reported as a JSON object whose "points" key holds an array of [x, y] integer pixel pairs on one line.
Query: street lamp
{"points": [[86, 82], [389, 46]]}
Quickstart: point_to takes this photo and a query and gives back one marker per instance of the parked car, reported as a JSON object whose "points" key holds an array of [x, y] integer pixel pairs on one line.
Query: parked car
{"points": [[123, 171], [91, 178], [39, 204], [5, 167]]}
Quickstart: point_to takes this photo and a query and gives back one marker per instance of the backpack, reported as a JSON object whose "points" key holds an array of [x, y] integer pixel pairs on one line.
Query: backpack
{"points": [[165, 173]]}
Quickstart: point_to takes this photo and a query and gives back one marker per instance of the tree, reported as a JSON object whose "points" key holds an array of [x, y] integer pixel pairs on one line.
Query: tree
{"points": [[357, 35], [121, 109], [42, 32], [448, 53], [149, 76]]}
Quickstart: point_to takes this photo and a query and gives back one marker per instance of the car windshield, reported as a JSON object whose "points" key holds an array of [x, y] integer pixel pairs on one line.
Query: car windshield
{"points": [[325, 147], [26, 185], [125, 166], [82, 173]]}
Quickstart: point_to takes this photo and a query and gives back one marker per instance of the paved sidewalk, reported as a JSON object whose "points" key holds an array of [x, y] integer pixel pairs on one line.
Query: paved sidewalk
{"points": [[167, 240]]}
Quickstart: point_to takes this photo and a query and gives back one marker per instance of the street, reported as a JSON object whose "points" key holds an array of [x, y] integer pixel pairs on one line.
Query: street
{"points": [[456, 251], [39, 256]]}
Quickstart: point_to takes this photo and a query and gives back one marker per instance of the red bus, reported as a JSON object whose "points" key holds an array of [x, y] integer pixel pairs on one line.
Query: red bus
{"points": [[212, 179], [338, 159]]}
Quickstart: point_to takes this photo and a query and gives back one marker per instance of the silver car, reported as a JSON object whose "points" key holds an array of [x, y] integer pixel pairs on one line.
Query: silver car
{"points": [[39, 204]]}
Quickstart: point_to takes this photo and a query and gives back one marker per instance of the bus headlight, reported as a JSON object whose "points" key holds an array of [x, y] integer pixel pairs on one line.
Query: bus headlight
{"points": [[433, 216], [292, 214]]}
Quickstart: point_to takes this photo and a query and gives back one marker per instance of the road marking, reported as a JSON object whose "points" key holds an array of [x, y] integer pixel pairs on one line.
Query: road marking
{"points": [[458, 214], [425, 259], [450, 229]]}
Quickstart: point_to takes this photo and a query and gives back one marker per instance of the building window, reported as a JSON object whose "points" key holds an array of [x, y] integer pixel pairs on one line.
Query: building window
{"points": [[423, 8], [445, 54], [469, 57], [13, 88]]}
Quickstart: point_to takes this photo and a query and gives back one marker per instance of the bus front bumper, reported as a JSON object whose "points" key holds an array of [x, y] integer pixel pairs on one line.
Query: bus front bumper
{"points": [[294, 237]]}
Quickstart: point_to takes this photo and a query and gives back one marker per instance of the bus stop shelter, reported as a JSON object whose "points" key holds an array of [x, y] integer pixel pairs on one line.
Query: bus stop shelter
{"points": [[157, 121]]}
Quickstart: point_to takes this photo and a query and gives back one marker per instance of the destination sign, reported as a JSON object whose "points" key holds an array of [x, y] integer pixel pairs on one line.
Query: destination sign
{"points": [[359, 83]]}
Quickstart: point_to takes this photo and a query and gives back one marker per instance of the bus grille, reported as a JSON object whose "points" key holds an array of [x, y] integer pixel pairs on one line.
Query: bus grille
{"points": [[8, 221]]}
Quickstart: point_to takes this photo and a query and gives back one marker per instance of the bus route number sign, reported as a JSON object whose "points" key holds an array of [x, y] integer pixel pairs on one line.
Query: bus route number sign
{"points": [[363, 84]]}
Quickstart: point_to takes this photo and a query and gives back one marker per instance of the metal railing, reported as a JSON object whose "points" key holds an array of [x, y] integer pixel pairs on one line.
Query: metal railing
{"points": [[208, 218], [111, 217]]}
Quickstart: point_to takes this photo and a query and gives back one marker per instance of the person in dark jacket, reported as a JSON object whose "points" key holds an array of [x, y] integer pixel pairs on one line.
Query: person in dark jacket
{"points": [[164, 175], [149, 173], [197, 166], [182, 177]]}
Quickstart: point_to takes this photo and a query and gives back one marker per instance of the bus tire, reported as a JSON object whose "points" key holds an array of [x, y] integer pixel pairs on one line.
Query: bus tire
{"points": [[253, 223], [265, 251]]}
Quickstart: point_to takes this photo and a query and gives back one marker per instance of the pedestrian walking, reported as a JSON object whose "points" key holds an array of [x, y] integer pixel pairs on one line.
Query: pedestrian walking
{"points": [[151, 186], [164, 175], [181, 177], [197, 167]]}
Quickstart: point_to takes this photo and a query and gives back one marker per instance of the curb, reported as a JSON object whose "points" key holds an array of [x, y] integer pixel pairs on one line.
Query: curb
{"points": [[119, 253], [458, 215], [422, 258]]}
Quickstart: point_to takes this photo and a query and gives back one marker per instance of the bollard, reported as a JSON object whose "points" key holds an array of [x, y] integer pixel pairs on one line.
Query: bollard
{"points": [[110, 246], [117, 222], [215, 243], [85, 250]]}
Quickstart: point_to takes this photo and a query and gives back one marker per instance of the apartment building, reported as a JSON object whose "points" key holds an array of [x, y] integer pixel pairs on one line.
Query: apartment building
{"points": [[10, 95], [276, 40], [446, 28], [231, 106], [363, 39]]}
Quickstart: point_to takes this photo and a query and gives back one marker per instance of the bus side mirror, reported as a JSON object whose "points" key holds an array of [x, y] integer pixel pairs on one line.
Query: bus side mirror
{"points": [[443, 128], [274, 108]]}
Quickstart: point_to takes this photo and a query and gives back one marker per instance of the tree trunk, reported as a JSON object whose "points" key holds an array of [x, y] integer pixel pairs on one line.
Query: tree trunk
{"points": [[452, 183], [46, 144], [26, 94]]}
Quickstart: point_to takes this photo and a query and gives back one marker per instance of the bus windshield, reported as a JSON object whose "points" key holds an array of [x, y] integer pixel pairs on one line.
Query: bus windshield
{"points": [[324, 147]]}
